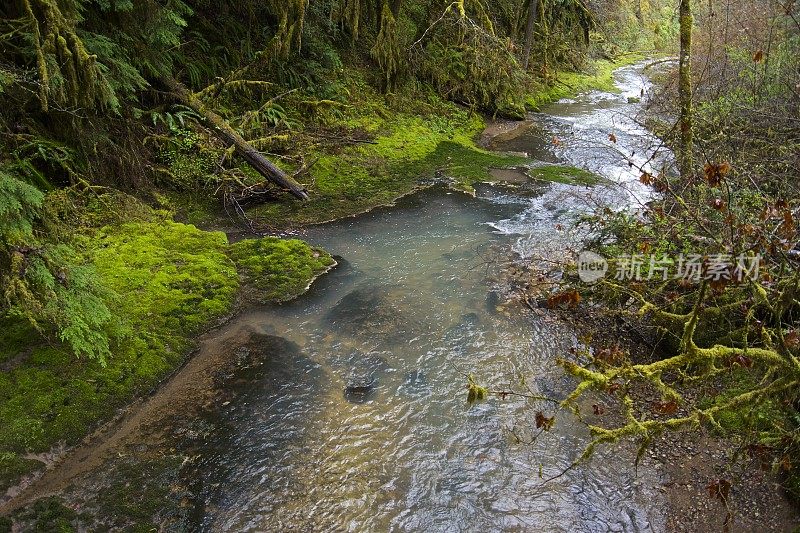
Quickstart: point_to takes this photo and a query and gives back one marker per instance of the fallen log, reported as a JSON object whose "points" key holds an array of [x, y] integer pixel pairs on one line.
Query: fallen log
{"points": [[224, 130]]}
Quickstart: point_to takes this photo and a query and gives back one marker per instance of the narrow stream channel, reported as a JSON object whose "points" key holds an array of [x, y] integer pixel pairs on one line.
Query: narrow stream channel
{"points": [[346, 410], [411, 311]]}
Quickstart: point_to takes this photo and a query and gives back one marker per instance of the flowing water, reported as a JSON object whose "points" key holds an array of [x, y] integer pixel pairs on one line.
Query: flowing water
{"points": [[579, 132], [356, 417], [345, 410]]}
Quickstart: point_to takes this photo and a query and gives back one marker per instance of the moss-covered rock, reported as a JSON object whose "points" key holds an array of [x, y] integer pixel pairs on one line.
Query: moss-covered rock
{"points": [[279, 269], [173, 277]]}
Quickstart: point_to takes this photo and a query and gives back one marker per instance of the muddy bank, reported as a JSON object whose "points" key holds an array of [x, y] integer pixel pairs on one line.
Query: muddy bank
{"points": [[693, 461], [501, 130], [187, 391]]}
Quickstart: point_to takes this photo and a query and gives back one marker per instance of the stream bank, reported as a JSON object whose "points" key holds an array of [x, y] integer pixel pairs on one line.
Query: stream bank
{"points": [[437, 140], [414, 306]]}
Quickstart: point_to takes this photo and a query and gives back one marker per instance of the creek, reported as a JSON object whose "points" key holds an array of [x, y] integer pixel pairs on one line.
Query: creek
{"points": [[355, 418], [345, 409]]}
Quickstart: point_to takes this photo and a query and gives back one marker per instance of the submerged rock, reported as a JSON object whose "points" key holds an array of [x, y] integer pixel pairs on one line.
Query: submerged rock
{"points": [[363, 376], [456, 334], [367, 311], [359, 388], [416, 382], [492, 301], [415, 378]]}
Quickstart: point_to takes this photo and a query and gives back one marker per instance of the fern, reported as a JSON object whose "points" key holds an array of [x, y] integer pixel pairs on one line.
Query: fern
{"points": [[48, 284], [19, 205]]}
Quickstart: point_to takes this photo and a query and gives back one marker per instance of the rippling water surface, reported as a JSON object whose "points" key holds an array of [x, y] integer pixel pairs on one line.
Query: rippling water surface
{"points": [[409, 313]]}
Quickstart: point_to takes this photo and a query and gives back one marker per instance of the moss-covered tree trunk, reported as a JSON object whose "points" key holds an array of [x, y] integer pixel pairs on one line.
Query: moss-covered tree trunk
{"points": [[685, 89], [260, 163], [386, 50], [533, 6]]}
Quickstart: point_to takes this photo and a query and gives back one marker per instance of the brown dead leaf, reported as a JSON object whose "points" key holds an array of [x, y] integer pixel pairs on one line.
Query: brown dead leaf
{"points": [[543, 422], [792, 339], [665, 408], [715, 172], [565, 298], [719, 489], [740, 360], [610, 356]]}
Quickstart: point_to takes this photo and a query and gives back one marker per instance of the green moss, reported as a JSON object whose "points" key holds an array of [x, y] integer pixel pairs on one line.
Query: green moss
{"points": [[132, 494], [189, 160], [50, 515], [12, 467], [759, 419], [172, 279], [564, 174], [408, 149], [279, 269], [14, 338], [139, 495], [198, 208]]}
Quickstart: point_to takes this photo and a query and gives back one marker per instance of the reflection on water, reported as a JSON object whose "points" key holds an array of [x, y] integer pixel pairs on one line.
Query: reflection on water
{"points": [[411, 312], [354, 417]]}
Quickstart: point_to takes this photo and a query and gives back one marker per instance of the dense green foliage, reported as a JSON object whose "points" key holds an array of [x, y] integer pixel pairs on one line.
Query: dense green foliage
{"points": [[48, 284]]}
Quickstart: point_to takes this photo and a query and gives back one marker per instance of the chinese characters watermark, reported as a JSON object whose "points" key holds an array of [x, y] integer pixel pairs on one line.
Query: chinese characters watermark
{"points": [[690, 267]]}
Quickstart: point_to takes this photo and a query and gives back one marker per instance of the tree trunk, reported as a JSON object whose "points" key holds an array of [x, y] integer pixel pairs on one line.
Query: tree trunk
{"points": [[533, 6], [685, 161], [225, 132]]}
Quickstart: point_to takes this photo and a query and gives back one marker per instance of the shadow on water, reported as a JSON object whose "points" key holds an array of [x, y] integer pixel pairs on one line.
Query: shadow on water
{"points": [[347, 410], [272, 377], [355, 418]]}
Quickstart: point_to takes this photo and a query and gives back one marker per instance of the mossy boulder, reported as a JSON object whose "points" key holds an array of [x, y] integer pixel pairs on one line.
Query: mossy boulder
{"points": [[279, 269], [173, 278], [371, 312]]}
